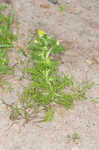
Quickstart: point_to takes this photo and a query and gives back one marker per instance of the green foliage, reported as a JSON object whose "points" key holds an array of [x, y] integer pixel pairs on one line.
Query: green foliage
{"points": [[49, 114], [3, 7], [95, 100], [66, 100], [76, 136], [6, 38], [62, 8], [81, 89], [47, 87]]}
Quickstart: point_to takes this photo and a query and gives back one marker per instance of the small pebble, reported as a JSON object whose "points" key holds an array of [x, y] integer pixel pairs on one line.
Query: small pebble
{"points": [[53, 1]]}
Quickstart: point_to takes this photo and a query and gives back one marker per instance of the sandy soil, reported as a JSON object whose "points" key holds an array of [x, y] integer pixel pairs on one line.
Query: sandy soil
{"points": [[78, 27]]}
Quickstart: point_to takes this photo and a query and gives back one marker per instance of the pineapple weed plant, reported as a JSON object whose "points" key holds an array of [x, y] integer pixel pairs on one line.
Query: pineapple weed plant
{"points": [[47, 87], [6, 38]]}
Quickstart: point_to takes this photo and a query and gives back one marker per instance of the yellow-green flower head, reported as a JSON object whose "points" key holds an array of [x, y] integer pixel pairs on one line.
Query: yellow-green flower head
{"points": [[57, 43], [41, 32], [35, 41]]}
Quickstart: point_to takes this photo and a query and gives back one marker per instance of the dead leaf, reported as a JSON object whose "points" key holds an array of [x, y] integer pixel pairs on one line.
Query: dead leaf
{"points": [[21, 9], [47, 13], [96, 60], [69, 44], [72, 11], [21, 62], [89, 61], [6, 1], [44, 5], [3, 107]]}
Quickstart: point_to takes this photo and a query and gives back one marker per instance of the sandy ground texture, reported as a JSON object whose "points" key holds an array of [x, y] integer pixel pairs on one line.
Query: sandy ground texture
{"points": [[78, 27]]}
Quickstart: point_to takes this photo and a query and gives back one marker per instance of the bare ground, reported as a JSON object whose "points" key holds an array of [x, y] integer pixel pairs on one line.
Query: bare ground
{"points": [[78, 27]]}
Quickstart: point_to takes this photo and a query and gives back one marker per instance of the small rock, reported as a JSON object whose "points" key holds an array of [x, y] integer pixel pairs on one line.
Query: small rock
{"points": [[75, 148], [53, 1]]}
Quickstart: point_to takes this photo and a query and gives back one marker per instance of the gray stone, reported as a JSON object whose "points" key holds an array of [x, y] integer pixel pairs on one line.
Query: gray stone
{"points": [[53, 1]]}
